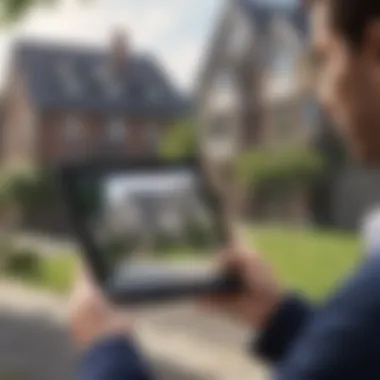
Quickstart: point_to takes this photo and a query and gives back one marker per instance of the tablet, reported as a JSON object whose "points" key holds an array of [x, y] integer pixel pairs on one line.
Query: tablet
{"points": [[145, 227]]}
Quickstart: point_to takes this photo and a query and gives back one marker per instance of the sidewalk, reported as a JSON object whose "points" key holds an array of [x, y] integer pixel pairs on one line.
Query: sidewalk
{"points": [[174, 337]]}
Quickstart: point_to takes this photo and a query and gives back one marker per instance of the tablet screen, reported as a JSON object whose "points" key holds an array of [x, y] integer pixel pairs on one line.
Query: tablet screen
{"points": [[150, 217]]}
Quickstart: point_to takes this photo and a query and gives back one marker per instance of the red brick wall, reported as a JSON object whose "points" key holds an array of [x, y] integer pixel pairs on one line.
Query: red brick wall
{"points": [[18, 135], [54, 147]]}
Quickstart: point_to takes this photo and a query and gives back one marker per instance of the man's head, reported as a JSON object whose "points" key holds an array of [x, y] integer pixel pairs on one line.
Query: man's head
{"points": [[346, 38]]}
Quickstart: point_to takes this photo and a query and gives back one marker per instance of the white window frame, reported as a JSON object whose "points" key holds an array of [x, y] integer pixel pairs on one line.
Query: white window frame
{"points": [[73, 130], [153, 133], [113, 88], [117, 131], [68, 78], [241, 37]]}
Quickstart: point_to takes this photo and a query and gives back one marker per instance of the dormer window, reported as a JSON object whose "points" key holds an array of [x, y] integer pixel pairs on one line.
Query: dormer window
{"points": [[154, 94], [108, 81], [117, 131], [68, 78], [73, 130], [241, 37], [135, 90]]}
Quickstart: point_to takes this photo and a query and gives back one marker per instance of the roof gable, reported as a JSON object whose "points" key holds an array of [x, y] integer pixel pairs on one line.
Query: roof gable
{"points": [[262, 12], [68, 77]]}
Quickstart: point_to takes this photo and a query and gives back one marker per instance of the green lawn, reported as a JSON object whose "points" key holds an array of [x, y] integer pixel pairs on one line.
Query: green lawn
{"points": [[56, 274], [313, 262]]}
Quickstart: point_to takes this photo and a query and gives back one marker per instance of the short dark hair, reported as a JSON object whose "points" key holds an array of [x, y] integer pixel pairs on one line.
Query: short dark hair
{"points": [[352, 17]]}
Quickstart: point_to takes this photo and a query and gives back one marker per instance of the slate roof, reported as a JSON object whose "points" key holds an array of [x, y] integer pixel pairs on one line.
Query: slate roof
{"points": [[143, 88], [262, 11]]}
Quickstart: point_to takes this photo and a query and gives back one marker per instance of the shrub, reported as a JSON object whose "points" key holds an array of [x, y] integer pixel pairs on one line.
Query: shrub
{"points": [[284, 169], [6, 250], [180, 141], [24, 193], [199, 236], [23, 263]]}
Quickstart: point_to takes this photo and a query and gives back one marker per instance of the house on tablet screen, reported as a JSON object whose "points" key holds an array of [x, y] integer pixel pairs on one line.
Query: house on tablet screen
{"points": [[68, 102]]}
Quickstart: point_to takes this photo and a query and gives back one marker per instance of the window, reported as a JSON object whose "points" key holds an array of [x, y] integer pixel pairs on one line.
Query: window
{"points": [[117, 131], [220, 138], [115, 88], [241, 37], [136, 90], [108, 81], [283, 61], [73, 131], [68, 78], [283, 54], [152, 134], [154, 94], [224, 95]]}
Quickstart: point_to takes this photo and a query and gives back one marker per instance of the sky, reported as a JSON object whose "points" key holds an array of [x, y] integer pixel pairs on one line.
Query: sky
{"points": [[176, 31]]}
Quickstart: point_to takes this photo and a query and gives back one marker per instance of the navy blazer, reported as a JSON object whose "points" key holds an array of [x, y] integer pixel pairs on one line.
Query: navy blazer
{"points": [[340, 340]]}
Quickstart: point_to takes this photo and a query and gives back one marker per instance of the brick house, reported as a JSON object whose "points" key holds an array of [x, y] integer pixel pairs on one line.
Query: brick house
{"points": [[67, 102], [254, 76], [254, 89]]}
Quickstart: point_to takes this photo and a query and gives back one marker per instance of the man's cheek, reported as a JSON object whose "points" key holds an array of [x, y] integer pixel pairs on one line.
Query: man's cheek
{"points": [[325, 94]]}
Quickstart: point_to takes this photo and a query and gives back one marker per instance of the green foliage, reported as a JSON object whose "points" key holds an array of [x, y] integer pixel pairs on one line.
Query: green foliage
{"points": [[25, 191], [312, 262], [22, 263], [266, 169], [180, 141], [309, 261], [92, 197], [199, 236], [162, 243], [14, 10], [55, 273], [58, 273]]}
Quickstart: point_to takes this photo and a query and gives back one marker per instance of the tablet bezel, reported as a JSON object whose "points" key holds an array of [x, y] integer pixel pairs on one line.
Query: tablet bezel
{"points": [[67, 174]]}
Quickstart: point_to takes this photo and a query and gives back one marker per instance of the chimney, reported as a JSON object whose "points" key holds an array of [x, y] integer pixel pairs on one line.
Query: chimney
{"points": [[120, 49]]}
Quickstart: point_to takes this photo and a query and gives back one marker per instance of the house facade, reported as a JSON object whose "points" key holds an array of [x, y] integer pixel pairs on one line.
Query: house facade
{"points": [[254, 88], [71, 103], [254, 75]]}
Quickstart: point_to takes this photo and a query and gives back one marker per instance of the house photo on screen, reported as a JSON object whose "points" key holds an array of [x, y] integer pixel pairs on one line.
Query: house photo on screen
{"points": [[150, 216]]}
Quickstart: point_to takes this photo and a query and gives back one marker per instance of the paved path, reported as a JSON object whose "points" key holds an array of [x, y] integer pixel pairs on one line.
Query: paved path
{"points": [[182, 344]]}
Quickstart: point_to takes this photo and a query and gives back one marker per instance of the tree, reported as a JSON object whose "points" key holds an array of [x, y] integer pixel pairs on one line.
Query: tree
{"points": [[14, 10], [25, 192], [180, 141], [283, 169]]}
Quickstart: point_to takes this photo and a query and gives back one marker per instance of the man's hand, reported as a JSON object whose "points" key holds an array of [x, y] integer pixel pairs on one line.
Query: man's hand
{"points": [[261, 296], [92, 317]]}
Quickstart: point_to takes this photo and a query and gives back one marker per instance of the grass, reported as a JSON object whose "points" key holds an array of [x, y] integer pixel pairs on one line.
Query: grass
{"points": [[313, 262], [56, 273]]}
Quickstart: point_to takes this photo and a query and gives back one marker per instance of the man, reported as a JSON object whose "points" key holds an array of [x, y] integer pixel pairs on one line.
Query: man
{"points": [[341, 340]]}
